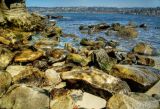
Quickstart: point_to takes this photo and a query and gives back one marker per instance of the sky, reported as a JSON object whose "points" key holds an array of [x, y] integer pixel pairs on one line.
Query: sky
{"points": [[91, 3]]}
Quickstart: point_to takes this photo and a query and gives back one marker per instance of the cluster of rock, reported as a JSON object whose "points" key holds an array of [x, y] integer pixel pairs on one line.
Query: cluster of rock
{"points": [[95, 75], [126, 31]]}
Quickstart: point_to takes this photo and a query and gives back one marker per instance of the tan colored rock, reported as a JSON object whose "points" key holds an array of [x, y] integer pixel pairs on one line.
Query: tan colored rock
{"points": [[28, 55], [154, 90], [132, 101], [76, 58], [6, 57], [5, 82], [64, 99], [98, 79], [25, 97], [138, 74], [145, 49]]}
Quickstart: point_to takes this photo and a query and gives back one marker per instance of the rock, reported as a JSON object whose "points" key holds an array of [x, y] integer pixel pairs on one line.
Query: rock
{"points": [[25, 97], [64, 99], [101, 58], [144, 49], [15, 15], [70, 48], [138, 78], [90, 101], [97, 79], [93, 28], [70, 35], [58, 55], [155, 90], [143, 25], [28, 55], [40, 64], [52, 31], [6, 57], [116, 26], [45, 43], [96, 44], [143, 60], [15, 70], [132, 101], [127, 32], [5, 82], [53, 77], [113, 43], [76, 58]]}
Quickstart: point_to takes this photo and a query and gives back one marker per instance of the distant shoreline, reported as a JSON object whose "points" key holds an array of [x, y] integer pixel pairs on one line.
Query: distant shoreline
{"points": [[101, 10]]}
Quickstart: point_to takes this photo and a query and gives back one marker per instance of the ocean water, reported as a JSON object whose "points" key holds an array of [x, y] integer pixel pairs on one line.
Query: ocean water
{"points": [[71, 22]]}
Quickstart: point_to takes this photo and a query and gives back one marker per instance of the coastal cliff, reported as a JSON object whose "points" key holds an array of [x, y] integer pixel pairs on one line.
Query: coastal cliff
{"points": [[13, 13]]}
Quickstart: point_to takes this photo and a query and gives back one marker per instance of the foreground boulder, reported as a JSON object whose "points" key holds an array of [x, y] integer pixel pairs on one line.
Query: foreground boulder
{"points": [[132, 101], [98, 79], [6, 57], [135, 75], [145, 49], [25, 97], [5, 82]]}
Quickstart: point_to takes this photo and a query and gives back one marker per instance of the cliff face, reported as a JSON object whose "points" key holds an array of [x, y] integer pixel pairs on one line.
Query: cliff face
{"points": [[13, 13]]}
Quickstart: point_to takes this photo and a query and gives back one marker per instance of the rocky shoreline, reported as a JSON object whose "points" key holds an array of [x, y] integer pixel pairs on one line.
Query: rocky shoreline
{"points": [[95, 75]]}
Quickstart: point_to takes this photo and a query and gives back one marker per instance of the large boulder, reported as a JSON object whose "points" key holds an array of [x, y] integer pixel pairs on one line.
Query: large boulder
{"points": [[14, 13], [138, 77], [5, 82], [98, 79], [132, 101], [6, 57], [25, 97]]}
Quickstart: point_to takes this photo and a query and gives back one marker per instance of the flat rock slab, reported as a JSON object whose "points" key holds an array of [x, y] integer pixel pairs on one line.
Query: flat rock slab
{"points": [[98, 79], [154, 90]]}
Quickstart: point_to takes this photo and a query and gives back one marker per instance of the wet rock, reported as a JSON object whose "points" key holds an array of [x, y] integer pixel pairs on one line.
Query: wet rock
{"points": [[94, 28], [28, 55], [127, 32], [143, 60], [116, 26], [98, 79], [144, 49], [101, 58], [139, 78], [5, 82], [69, 35], [64, 99], [95, 44], [143, 25], [52, 31], [76, 58], [132, 101], [6, 57], [25, 97], [113, 43]]}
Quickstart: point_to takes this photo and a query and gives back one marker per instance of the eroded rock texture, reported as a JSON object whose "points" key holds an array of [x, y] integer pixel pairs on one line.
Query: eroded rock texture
{"points": [[13, 13]]}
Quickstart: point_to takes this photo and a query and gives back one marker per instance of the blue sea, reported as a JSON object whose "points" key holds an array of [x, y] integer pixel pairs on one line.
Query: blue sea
{"points": [[71, 22]]}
